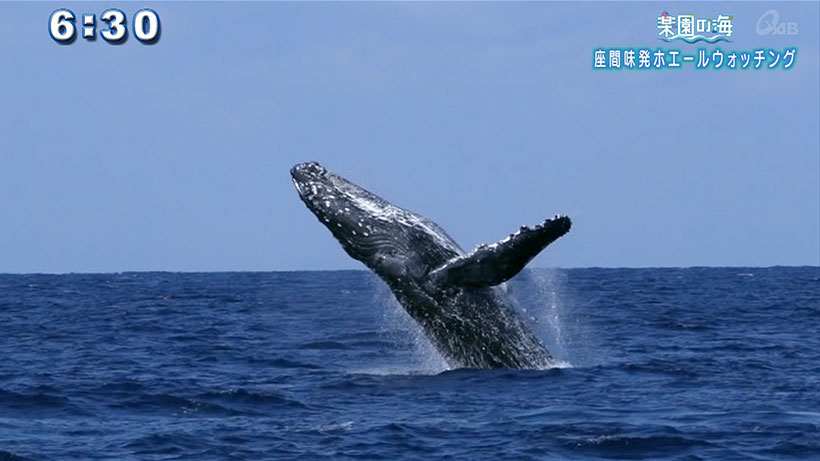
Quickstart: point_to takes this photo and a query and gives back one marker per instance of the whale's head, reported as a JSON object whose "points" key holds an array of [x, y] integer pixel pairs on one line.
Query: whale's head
{"points": [[370, 229], [337, 202]]}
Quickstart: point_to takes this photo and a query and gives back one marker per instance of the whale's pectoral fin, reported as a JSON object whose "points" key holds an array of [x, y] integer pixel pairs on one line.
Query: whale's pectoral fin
{"points": [[490, 265]]}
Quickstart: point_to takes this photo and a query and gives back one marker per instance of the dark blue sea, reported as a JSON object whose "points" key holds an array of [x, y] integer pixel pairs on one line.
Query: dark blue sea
{"points": [[686, 364]]}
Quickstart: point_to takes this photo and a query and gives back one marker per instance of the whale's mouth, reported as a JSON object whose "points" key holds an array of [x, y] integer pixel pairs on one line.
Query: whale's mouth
{"points": [[297, 185], [309, 179], [308, 171]]}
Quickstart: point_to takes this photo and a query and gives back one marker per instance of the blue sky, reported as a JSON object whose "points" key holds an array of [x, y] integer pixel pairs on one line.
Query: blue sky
{"points": [[481, 116]]}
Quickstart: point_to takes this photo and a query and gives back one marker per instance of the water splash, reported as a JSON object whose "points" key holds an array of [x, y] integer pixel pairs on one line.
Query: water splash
{"points": [[421, 356], [540, 305], [538, 300]]}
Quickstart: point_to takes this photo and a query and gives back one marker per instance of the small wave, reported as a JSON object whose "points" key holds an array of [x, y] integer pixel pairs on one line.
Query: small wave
{"points": [[663, 367], [242, 396], [231, 402], [10, 400], [792, 448], [334, 427], [171, 443], [633, 446], [285, 363], [166, 403], [129, 386], [324, 345], [9, 456], [351, 382], [674, 324]]}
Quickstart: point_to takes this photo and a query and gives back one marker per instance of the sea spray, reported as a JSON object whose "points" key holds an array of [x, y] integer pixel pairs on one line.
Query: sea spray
{"points": [[537, 297], [421, 356], [559, 315]]}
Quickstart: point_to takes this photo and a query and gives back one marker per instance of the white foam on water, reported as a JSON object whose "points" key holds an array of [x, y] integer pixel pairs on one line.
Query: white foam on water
{"points": [[560, 364]]}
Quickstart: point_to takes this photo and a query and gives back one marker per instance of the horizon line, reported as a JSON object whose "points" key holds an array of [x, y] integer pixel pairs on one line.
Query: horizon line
{"points": [[367, 270]]}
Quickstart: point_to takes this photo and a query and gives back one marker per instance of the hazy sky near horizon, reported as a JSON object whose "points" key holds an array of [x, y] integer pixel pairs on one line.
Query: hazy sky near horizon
{"points": [[481, 116]]}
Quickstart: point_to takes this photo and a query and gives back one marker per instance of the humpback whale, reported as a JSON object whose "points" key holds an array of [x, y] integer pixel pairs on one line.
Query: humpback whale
{"points": [[459, 299]]}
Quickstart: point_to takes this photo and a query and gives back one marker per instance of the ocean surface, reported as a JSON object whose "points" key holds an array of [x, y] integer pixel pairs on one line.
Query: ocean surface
{"points": [[686, 364]]}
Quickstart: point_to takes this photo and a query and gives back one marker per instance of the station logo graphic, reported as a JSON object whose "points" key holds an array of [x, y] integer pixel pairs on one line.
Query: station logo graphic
{"points": [[691, 29]]}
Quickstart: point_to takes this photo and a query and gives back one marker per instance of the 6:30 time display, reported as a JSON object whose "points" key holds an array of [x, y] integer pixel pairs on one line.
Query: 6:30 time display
{"points": [[145, 26]]}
